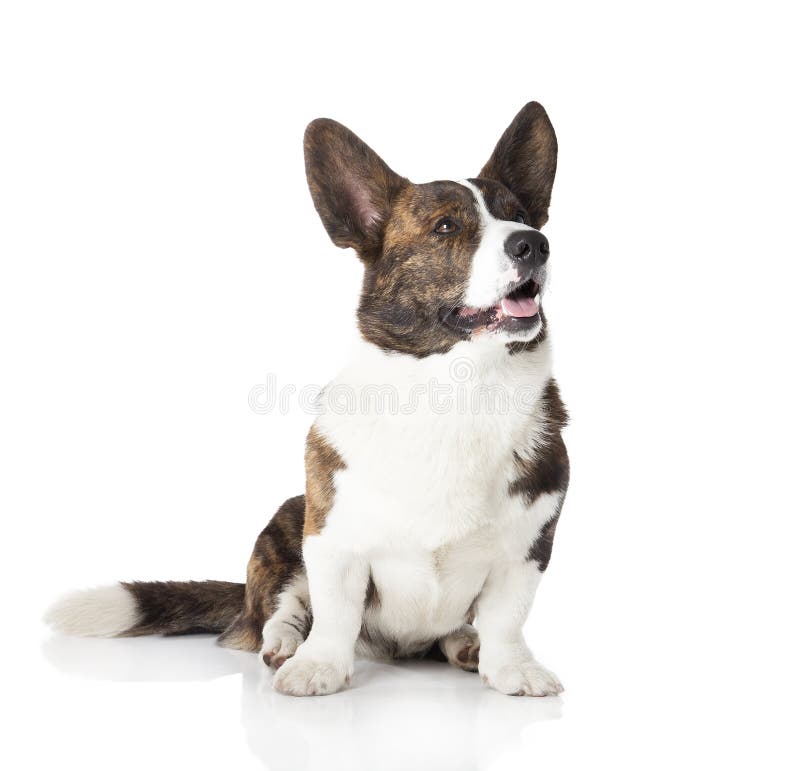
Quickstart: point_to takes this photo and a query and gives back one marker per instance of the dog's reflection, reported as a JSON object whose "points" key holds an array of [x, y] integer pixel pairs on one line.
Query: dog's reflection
{"points": [[413, 715]]}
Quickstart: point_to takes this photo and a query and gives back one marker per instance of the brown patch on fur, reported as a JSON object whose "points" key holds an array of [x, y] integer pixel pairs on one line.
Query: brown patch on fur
{"points": [[322, 463], [524, 160], [184, 607], [547, 471], [276, 560], [541, 549], [420, 271]]}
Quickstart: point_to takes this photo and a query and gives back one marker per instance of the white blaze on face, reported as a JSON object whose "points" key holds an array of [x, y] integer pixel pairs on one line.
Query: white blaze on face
{"points": [[493, 271]]}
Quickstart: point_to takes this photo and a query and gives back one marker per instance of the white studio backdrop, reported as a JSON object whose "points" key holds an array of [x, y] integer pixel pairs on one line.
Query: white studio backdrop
{"points": [[160, 259]]}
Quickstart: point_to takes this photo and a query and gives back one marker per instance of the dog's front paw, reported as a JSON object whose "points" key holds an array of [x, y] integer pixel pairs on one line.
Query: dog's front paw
{"points": [[304, 676], [520, 676]]}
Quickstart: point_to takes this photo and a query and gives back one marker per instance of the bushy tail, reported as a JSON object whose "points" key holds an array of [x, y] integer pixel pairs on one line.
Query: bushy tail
{"points": [[156, 607]]}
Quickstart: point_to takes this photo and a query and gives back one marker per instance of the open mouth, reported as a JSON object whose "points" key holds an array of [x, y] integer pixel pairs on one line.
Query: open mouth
{"points": [[518, 310]]}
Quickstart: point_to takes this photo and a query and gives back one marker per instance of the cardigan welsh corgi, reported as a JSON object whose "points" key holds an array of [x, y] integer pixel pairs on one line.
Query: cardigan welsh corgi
{"points": [[435, 513]]}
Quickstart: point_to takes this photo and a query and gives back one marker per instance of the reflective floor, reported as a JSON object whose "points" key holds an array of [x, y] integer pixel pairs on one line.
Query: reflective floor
{"points": [[409, 715], [167, 703], [184, 702]]}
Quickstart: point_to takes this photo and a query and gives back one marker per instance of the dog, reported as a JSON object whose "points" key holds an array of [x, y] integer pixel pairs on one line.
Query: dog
{"points": [[425, 517]]}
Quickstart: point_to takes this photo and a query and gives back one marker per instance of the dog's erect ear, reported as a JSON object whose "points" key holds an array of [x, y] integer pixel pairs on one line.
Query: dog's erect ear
{"points": [[525, 161], [352, 187]]}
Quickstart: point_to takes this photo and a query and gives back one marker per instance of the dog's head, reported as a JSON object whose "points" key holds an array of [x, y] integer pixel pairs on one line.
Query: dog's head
{"points": [[444, 261]]}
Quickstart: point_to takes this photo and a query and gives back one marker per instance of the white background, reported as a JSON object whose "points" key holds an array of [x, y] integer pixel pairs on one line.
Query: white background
{"points": [[161, 256]]}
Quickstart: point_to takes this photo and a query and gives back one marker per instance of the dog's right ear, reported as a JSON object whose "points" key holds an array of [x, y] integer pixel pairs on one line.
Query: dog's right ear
{"points": [[351, 186]]}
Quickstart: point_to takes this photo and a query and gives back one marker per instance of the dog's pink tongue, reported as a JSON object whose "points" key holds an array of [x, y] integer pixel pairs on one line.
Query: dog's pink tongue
{"points": [[523, 308]]}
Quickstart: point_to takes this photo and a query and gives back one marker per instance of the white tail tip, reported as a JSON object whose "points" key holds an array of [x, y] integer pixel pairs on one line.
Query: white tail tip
{"points": [[103, 612]]}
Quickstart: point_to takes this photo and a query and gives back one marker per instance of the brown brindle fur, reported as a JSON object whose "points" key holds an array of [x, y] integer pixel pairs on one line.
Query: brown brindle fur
{"points": [[546, 472], [421, 273], [184, 607], [277, 556], [322, 463], [276, 559]]}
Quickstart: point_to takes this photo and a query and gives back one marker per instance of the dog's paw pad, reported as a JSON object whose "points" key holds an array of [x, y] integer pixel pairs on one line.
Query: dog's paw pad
{"points": [[462, 648], [467, 657]]}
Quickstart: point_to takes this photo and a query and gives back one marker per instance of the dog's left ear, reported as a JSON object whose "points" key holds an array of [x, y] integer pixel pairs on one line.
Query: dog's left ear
{"points": [[525, 161], [352, 188]]}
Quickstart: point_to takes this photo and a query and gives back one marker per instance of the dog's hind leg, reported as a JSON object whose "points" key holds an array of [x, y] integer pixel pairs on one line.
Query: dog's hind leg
{"points": [[275, 566], [461, 648], [288, 626]]}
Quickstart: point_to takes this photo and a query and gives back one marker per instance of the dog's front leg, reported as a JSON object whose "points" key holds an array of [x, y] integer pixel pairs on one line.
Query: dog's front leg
{"points": [[337, 583], [506, 663]]}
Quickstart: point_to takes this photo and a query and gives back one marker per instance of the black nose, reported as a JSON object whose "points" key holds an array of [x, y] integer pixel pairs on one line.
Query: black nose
{"points": [[528, 247]]}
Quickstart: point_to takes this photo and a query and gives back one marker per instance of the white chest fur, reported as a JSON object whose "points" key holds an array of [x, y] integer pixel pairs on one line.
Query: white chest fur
{"points": [[428, 446]]}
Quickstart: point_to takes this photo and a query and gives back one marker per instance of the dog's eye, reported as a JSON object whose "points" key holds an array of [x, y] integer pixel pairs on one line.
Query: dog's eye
{"points": [[446, 226], [520, 217]]}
